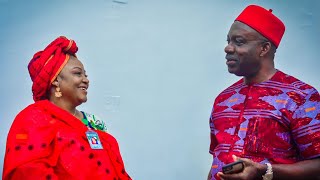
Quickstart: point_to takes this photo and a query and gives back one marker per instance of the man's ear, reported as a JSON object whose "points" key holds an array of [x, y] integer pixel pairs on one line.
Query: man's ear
{"points": [[265, 48]]}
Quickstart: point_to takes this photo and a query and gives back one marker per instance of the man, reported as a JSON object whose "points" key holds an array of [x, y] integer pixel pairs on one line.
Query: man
{"points": [[269, 120]]}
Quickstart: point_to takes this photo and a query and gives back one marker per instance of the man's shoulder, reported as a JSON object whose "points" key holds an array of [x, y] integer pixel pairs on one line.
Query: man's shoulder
{"points": [[237, 85], [229, 91], [291, 82]]}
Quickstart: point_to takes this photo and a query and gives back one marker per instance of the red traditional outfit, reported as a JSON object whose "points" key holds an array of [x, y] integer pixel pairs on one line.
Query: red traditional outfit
{"points": [[47, 142], [275, 121]]}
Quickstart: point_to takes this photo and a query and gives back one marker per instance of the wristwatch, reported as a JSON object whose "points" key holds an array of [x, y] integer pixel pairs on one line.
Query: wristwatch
{"points": [[269, 173]]}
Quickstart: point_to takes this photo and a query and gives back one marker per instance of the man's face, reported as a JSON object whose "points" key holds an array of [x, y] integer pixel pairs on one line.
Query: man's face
{"points": [[243, 50]]}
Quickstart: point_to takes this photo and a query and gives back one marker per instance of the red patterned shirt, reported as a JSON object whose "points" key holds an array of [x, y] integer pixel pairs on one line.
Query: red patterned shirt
{"points": [[276, 121]]}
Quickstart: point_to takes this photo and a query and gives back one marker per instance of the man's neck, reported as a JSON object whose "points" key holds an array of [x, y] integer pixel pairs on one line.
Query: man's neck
{"points": [[260, 77]]}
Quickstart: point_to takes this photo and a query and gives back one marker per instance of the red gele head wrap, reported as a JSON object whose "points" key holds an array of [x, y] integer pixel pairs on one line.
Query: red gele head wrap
{"points": [[47, 64], [264, 22]]}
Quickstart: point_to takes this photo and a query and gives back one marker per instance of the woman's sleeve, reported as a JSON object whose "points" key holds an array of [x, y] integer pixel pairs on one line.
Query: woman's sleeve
{"points": [[30, 151], [32, 170]]}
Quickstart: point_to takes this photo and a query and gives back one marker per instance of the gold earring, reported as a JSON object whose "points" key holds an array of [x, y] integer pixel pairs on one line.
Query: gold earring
{"points": [[58, 92]]}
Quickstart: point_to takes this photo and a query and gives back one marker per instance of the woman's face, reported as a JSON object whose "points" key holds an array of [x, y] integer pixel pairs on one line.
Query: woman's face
{"points": [[73, 82]]}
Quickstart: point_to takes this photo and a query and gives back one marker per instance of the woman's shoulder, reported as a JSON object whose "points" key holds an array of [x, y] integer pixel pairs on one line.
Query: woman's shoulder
{"points": [[32, 114], [29, 123]]}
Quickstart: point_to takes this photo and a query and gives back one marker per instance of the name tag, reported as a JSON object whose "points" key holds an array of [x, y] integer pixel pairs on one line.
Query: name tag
{"points": [[94, 140]]}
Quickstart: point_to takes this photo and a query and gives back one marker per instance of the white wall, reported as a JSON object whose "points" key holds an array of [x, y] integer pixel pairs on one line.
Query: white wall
{"points": [[155, 67]]}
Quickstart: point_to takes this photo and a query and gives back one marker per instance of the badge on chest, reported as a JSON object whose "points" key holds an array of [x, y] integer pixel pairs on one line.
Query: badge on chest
{"points": [[94, 140]]}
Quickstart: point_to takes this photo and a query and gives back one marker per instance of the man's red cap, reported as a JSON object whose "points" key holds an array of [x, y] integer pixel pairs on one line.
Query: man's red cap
{"points": [[264, 22]]}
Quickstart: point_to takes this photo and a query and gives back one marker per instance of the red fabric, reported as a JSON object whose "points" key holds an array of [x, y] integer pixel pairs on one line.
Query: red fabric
{"points": [[46, 142], [46, 64], [276, 121], [264, 22]]}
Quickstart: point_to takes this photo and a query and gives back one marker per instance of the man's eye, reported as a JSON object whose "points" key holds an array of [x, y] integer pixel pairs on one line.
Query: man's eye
{"points": [[239, 42]]}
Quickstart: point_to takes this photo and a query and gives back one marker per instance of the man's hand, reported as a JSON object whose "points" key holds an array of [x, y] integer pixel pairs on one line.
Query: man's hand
{"points": [[252, 170]]}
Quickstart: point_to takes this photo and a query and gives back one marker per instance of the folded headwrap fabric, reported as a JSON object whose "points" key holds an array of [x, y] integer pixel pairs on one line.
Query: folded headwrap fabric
{"points": [[264, 22], [47, 64]]}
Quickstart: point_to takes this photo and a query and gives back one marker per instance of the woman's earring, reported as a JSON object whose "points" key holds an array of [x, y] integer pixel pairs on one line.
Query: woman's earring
{"points": [[58, 92]]}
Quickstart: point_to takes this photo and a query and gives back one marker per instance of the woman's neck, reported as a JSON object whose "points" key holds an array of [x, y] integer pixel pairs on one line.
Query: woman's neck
{"points": [[64, 105]]}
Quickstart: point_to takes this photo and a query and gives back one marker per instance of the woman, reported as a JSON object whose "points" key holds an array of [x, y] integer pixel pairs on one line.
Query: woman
{"points": [[51, 139]]}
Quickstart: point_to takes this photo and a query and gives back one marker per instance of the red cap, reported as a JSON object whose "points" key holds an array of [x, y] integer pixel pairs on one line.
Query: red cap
{"points": [[264, 22]]}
